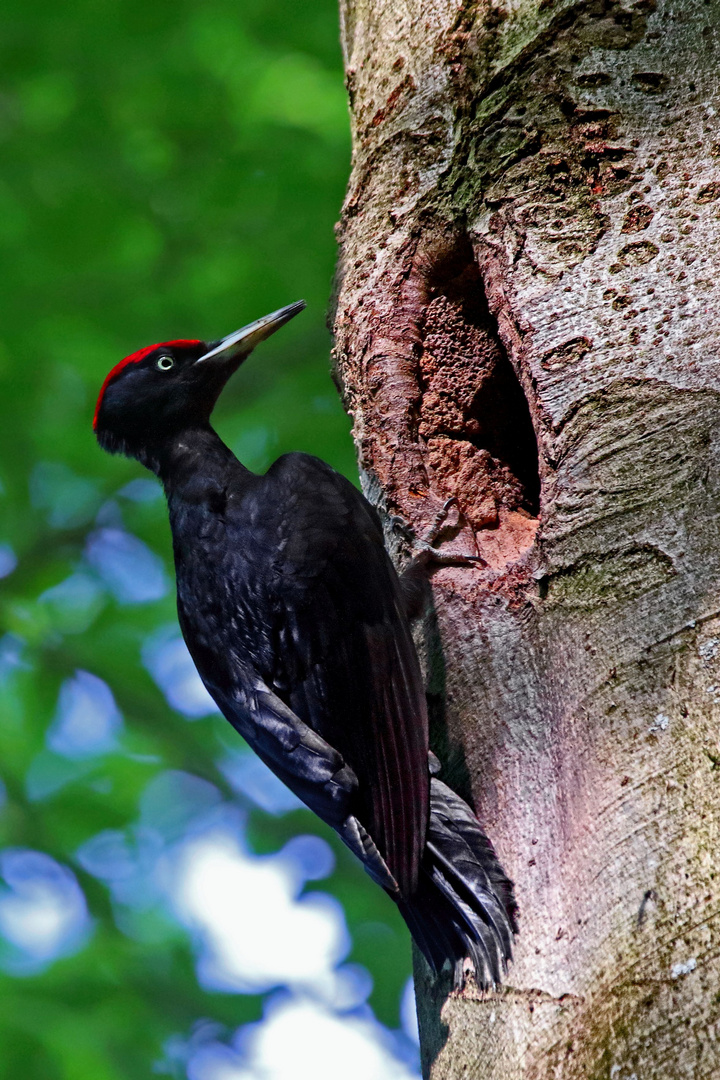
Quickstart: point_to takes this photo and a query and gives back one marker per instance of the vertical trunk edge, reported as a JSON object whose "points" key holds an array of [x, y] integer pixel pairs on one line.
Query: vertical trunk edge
{"points": [[524, 321]]}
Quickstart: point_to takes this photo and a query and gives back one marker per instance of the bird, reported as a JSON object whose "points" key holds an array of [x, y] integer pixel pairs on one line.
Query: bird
{"points": [[299, 626]]}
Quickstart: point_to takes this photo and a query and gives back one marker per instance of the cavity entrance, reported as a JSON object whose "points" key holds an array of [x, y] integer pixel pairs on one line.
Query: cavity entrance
{"points": [[474, 418]]}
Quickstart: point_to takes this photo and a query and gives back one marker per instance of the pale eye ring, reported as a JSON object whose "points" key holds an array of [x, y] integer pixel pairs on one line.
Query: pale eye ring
{"points": [[165, 363]]}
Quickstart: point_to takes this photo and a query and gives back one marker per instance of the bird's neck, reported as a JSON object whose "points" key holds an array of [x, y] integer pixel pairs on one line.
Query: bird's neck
{"points": [[194, 458]]}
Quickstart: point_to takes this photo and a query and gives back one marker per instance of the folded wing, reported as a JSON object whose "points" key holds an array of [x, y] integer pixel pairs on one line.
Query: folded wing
{"points": [[339, 653]]}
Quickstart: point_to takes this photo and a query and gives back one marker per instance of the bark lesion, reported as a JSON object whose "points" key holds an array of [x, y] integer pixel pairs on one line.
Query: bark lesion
{"points": [[441, 411], [474, 422]]}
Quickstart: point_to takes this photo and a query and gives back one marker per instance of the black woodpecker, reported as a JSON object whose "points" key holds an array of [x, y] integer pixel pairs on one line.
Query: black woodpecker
{"points": [[298, 625]]}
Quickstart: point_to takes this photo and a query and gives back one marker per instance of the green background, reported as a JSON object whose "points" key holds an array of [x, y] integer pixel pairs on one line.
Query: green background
{"points": [[169, 170]]}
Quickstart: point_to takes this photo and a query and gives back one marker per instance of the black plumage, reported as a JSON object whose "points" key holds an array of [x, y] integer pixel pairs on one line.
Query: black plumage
{"points": [[297, 623]]}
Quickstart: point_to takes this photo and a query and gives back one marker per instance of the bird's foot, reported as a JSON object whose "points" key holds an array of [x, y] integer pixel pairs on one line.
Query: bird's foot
{"points": [[440, 521], [424, 549]]}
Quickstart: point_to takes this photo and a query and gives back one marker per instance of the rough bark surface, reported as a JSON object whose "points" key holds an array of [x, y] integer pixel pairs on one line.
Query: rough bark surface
{"points": [[526, 320]]}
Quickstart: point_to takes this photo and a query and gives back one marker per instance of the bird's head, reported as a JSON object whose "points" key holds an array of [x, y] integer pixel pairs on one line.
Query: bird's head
{"points": [[162, 390]]}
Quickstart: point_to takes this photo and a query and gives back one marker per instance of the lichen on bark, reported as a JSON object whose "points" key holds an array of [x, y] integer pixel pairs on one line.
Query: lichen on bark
{"points": [[525, 321]]}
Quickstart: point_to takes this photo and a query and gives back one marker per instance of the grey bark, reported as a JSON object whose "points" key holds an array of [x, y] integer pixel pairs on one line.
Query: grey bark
{"points": [[531, 235]]}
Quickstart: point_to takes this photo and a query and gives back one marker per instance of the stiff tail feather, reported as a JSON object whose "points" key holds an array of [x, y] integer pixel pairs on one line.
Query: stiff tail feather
{"points": [[464, 904]]}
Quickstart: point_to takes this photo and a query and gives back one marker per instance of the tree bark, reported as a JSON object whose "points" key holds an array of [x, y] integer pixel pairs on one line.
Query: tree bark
{"points": [[526, 320]]}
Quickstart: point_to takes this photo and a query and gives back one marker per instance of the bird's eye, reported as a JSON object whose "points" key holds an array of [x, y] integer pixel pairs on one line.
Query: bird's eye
{"points": [[165, 363]]}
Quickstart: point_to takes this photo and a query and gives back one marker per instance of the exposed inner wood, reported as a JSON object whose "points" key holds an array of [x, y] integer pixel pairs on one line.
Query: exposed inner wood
{"points": [[474, 424]]}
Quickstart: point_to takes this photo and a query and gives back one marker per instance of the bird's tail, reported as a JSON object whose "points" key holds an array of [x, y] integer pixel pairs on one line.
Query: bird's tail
{"points": [[464, 904]]}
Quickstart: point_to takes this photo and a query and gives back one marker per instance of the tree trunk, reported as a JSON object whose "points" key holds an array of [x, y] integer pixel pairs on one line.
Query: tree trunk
{"points": [[526, 320]]}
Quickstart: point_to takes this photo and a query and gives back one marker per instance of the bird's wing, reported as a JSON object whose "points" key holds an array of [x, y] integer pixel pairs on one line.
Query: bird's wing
{"points": [[312, 768], [337, 648], [309, 766]]}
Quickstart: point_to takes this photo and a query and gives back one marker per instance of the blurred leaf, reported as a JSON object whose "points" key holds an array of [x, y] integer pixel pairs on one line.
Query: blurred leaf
{"points": [[168, 170]]}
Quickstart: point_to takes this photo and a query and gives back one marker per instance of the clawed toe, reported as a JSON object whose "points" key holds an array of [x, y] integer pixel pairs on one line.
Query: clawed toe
{"points": [[439, 521], [401, 526], [428, 553], [425, 550]]}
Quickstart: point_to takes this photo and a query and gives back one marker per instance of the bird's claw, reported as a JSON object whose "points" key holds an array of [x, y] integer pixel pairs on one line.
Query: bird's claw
{"points": [[401, 526], [439, 520], [427, 553], [424, 549]]}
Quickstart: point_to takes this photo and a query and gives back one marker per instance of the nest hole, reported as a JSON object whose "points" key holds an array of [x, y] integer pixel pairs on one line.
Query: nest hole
{"points": [[474, 417]]}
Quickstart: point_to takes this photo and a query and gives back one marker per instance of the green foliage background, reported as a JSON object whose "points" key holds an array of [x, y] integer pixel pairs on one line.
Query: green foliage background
{"points": [[169, 169]]}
